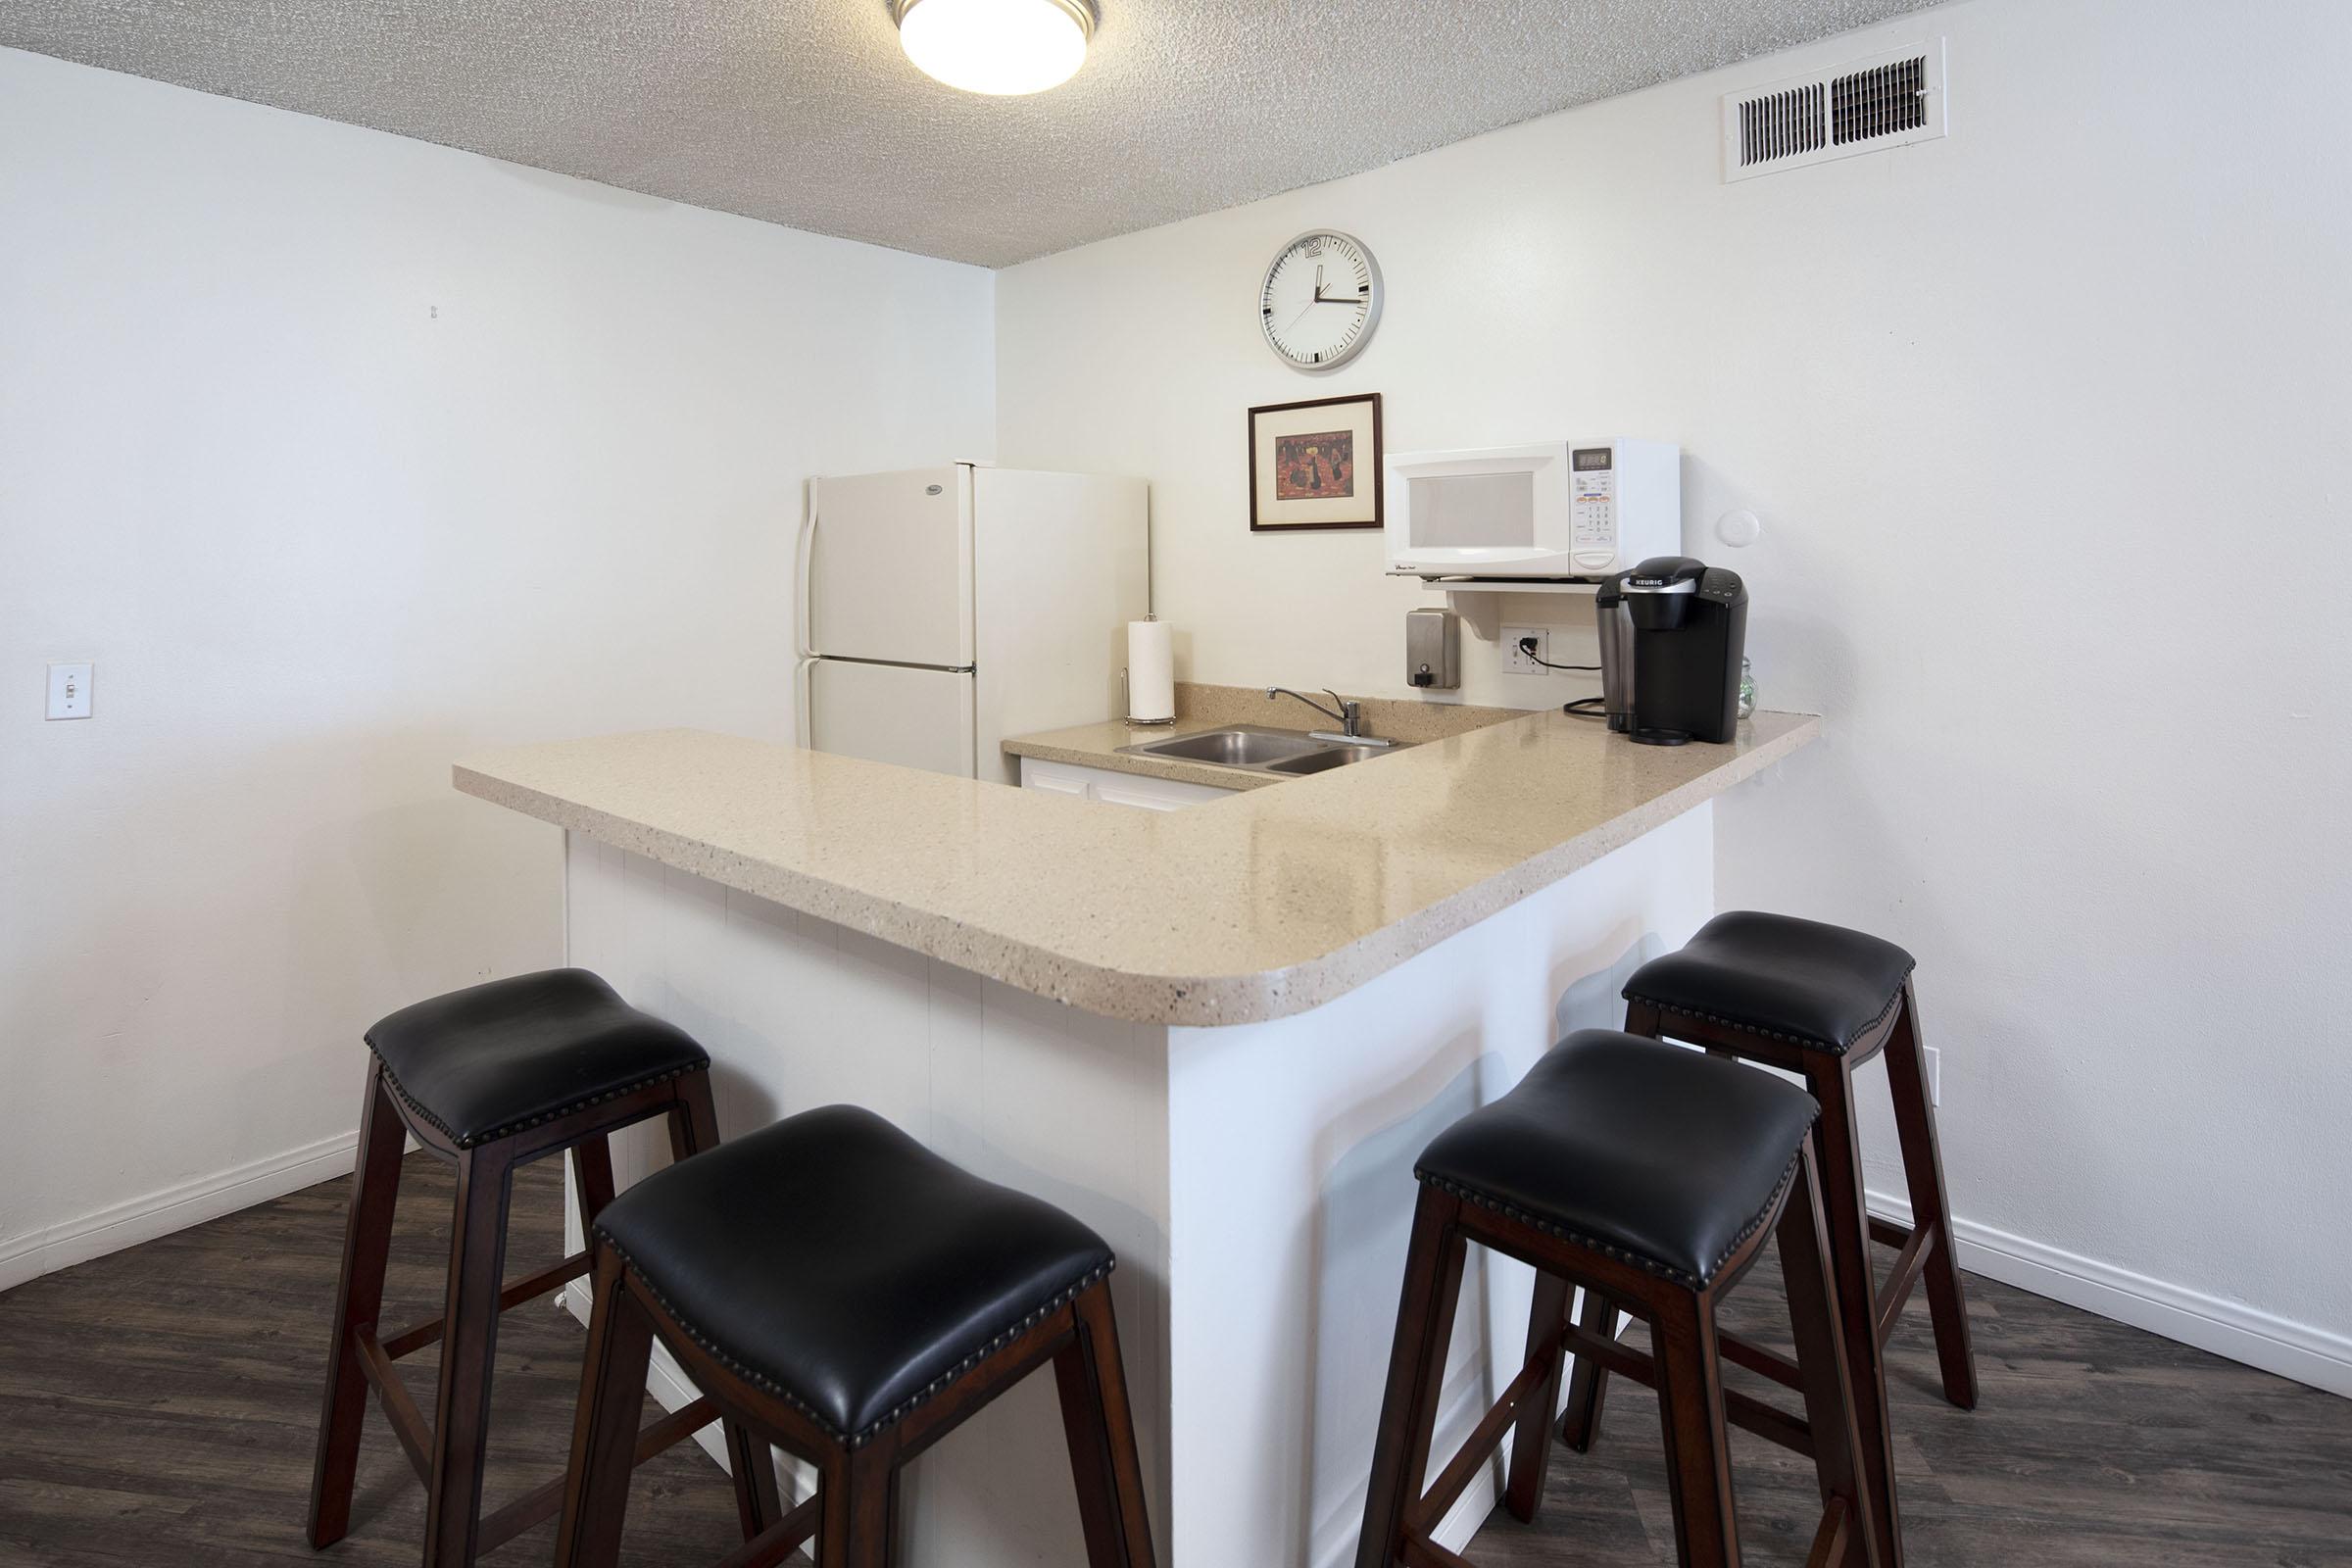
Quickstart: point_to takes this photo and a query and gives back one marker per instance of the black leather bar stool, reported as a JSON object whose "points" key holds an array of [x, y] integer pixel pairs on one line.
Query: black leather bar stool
{"points": [[1819, 1001], [850, 1296], [491, 1078], [1651, 1175]]}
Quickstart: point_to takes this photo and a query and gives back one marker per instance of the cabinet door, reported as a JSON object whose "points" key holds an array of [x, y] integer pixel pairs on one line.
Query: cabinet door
{"points": [[1151, 794], [1055, 779], [1114, 788]]}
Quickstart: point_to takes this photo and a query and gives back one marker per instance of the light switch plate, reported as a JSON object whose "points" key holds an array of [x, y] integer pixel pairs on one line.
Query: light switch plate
{"points": [[70, 691]]}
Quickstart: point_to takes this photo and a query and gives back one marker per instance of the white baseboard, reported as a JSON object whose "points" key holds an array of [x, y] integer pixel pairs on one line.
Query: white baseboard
{"points": [[2231, 1329], [1478, 1499], [175, 1209]]}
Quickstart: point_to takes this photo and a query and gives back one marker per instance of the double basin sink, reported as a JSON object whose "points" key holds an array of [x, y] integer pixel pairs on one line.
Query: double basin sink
{"points": [[1285, 753]]}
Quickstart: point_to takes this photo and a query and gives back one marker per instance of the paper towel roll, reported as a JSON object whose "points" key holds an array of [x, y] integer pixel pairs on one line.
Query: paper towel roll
{"points": [[1150, 672]]}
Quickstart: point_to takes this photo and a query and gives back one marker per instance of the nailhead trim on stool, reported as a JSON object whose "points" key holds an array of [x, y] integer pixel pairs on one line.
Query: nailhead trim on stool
{"points": [[1809, 1042], [897, 1412], [1647, 1265], [425, 1115]]}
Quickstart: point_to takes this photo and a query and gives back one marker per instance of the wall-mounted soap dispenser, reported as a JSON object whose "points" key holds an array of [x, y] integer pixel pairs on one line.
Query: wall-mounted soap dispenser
{"points": [[1433, 649]]}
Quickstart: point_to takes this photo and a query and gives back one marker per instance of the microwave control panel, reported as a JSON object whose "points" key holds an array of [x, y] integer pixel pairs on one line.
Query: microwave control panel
{"points": [[1593, 507]]}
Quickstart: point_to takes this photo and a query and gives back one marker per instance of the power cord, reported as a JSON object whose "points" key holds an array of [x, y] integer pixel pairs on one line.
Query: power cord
{"points": [[1586, 707], [1527, 646]]}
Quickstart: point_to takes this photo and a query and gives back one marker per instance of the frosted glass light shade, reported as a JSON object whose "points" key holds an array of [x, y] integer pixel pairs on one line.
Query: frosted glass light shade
{"points": [[999, 47]]}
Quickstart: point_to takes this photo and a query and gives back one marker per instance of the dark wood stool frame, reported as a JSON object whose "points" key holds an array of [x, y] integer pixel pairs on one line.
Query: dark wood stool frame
{"points": [[448, 1454], [1694, 1406], [850, 1514], [1868, 1311]]}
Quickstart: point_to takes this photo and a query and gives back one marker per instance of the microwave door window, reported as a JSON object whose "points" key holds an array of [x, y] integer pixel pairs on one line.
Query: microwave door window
{"points": [[1472, 510]]}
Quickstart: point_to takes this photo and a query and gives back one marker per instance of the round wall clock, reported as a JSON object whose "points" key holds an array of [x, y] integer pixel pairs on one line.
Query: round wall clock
{"points": [[1320, 301]]}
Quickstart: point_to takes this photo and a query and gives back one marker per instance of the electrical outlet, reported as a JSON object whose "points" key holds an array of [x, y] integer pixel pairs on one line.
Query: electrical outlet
{"points": [[69, 691], [1935, 1075], [1514, 654]]}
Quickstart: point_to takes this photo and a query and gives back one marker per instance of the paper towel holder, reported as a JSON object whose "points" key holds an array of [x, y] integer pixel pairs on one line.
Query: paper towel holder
{"points": [[1130, 721], [1127, 699]]}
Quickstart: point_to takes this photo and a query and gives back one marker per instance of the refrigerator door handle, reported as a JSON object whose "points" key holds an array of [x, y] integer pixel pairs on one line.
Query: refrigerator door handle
{"points": [[803, 720], [808, 544]]}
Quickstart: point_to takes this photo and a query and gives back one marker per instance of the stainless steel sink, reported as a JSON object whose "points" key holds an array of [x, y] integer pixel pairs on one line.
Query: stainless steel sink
{"points": [[1260, 749], [1328, 758]]}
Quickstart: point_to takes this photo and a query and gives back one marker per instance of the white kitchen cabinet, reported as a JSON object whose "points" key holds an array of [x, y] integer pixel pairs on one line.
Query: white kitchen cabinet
{"points": [[1114, 788]]}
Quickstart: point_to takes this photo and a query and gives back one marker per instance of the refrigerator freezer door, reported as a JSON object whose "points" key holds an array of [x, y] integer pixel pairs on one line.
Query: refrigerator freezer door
{"points": [[889, 713], [886, 568]]}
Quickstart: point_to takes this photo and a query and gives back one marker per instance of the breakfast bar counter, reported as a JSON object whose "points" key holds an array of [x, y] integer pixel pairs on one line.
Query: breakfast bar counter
{"points": [[1217, 1035], [1235, 911]]}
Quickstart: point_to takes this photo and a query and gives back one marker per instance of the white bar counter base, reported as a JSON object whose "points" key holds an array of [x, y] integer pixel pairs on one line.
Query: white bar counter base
{"points": [[1218, 1035]]}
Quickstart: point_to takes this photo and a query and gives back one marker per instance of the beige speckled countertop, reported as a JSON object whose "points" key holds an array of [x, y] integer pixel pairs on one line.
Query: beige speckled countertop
{"points": [[1255, 906]]}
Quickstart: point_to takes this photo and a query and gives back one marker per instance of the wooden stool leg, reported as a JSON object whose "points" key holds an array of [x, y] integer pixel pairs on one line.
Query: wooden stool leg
{"points": [[468, 1344], [592, 1179], [1930, 1204], [1589, 1383], [359, 1299], [693, 1129], [1530, 1448], [1101, 1431], [694, 1119], [1838, 1167], [853, 1508], [1821, 1359], [1698, 1454], [604, 1434], [1408, 1413]]}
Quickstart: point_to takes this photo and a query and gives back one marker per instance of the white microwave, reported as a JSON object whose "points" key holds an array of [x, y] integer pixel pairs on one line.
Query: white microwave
{"points": [[1558, 509]]}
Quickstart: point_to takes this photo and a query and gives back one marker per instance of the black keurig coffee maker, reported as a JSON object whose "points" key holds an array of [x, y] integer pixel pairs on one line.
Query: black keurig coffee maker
{"points": [[1689, 628]]}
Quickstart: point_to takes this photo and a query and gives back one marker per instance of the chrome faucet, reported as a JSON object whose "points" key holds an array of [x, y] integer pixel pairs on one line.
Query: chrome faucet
{"points": [[1349, 716]]}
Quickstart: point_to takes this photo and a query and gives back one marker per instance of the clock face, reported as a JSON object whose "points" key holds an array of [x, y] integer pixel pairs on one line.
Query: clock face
{"points": [[1320, 301]]}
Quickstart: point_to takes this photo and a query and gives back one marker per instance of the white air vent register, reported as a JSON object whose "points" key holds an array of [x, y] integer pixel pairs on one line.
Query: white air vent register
{"points": [[1889, 99]]}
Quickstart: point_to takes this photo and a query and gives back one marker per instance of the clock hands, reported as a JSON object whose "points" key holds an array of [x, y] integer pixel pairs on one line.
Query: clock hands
{"points": [[1339, 262], [1321, 298]]}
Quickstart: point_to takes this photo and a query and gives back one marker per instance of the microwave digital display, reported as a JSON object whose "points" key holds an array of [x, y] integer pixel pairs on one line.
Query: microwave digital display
{"points": [[1587, 460]]}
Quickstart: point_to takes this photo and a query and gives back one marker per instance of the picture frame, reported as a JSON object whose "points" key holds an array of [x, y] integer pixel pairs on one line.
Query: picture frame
{"points": [[1316, 463]]}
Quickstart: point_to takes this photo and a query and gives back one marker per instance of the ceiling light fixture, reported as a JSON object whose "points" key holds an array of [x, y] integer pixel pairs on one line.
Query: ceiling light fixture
{"points": [[998, 47]]}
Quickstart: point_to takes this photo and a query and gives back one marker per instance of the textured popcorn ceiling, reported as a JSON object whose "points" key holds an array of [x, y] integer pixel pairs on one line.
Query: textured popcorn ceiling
{"points": [[804, 112]]}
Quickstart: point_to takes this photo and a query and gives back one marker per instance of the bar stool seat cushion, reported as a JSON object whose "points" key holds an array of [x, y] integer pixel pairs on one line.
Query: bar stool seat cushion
{"points": [[1658, 1157], [840, 1265], [1817, 985], [493, 1059]]}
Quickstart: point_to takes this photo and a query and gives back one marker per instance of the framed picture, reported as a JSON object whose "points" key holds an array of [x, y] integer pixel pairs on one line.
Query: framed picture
{"points": [[1316, 465]]}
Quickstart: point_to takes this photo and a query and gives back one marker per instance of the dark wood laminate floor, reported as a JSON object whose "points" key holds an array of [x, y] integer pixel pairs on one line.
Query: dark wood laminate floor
{"points": [[158, 1407], [2092, 1444]]}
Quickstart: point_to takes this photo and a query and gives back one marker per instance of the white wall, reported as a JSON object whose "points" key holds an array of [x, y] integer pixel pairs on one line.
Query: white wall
{"points": [[2051, 427], [341, 453]]}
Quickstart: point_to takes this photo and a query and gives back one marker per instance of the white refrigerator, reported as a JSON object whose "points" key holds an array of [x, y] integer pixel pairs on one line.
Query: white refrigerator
{"points": [[942, 609]]}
